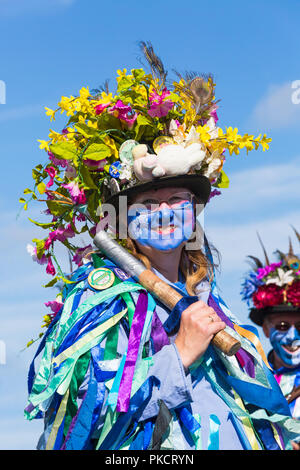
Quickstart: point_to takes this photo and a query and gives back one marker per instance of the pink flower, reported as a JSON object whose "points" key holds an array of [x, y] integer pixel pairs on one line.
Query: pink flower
{"points": [[213, 114], [95, 165], [50, 268], [124, 113], [77, 195], [159, 107], [33, 253], [52, 173], [101, 107], [262, 272], [57, 161], [55, 307], [61, 234], [81, 218]]}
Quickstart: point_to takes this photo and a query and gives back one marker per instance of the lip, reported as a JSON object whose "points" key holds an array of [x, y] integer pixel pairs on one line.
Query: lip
{"points": [[165, 230], [291, 350]]}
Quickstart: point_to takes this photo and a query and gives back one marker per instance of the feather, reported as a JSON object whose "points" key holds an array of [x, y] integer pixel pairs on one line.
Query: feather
{"points": [[296, 233], [199, 90], [258, 263], [264, 250], [156, 65], [291, 251]]}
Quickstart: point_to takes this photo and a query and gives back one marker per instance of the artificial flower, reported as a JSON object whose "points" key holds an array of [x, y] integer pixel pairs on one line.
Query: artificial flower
{"points": [[77, 194], [293, 294], [159, 106], [52, 172], [283, 278], [263, 272], [50, 268], [268, 296]]}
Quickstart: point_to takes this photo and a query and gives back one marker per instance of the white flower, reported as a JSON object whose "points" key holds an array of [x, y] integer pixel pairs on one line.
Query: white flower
{"points": [[284, 277], [213, 129]]}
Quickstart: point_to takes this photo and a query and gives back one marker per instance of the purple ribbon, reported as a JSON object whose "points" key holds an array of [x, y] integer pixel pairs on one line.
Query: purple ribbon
{"points": [[132, 352], [246, 357], [158, 334]]}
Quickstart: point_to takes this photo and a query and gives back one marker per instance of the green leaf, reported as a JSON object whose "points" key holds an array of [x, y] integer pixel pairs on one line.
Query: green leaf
{"points": [[97, 151], [223, 181], [52, 282], [87, 178], [39, 224], [41, 187], [56, 208], [85, 130], [142, 123], [64, 150], [39, 247]]}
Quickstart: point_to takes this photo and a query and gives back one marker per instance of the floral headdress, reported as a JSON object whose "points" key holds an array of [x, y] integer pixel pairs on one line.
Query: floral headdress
{"points": [[114, 140], [273, 287]]}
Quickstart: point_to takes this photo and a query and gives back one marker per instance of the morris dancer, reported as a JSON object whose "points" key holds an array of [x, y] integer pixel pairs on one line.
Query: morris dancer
{"points": [[274, 290], [118, 369]]}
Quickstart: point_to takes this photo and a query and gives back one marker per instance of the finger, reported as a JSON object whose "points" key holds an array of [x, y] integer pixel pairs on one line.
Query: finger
{"points": [[215, 327]]}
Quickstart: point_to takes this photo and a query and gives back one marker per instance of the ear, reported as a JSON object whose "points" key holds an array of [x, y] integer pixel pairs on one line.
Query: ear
{"points": [[266, 328]]}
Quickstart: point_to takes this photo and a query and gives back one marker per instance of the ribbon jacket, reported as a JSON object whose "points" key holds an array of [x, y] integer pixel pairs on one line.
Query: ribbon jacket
{"points": [[110, 377]]}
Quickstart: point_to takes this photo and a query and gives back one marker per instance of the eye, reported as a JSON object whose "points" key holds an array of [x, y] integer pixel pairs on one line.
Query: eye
{"points": [[282, 326], [150, 202]]}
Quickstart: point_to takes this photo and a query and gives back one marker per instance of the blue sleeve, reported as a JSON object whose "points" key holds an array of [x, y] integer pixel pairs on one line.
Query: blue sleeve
{"points": [[175, 387]]}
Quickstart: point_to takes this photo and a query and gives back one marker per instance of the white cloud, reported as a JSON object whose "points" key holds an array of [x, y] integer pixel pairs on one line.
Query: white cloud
{"points": [[12, 8], [259, 191], [278, 108]]}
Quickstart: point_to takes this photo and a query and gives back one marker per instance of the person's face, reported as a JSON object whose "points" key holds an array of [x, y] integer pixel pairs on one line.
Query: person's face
{"points": [[284, 333], [162, 219]]}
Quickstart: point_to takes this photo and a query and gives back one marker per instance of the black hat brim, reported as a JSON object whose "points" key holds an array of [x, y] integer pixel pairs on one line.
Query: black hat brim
{"points": [[258, 315], [198, 184]]}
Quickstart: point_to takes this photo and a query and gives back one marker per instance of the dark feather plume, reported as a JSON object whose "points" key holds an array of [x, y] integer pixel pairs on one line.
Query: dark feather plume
{"points": [[156, 65], [296, 233], [257, 262], [263, 248]]}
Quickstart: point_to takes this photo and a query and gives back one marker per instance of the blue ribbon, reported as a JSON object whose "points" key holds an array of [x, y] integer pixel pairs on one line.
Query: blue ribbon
{"points": [[213, 439], [137, 405], [171, 325]]}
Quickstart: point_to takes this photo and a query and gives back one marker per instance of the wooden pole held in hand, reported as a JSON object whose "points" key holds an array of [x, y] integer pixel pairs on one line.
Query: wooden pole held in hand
{"points": [[156, 286]]}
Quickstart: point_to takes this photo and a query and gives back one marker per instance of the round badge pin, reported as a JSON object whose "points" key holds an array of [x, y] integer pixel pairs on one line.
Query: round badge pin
{"points": [[101, 278], [121, 274]]}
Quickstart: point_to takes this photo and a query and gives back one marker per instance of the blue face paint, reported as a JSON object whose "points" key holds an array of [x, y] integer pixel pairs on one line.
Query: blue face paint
{"points": [[163, 229], [279, 339]]}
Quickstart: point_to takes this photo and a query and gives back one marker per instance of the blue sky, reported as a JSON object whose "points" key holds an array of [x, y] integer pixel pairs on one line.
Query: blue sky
{"points": [[54, 47]]}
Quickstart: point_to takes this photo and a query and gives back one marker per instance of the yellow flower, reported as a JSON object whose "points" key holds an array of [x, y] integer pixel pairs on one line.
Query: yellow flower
{"points": [[44, 144], [111, 144], [51, 113], [67, 104], [121, 74], [84, 93], [203, 131], [56, 136]]}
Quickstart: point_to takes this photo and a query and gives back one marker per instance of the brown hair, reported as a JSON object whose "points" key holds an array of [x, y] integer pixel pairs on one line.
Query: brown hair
{"points": [[194, 265]]}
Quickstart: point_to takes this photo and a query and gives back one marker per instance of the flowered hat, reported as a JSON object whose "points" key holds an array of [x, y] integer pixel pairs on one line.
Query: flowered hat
{"points": [[273, 287], [145, 132]]}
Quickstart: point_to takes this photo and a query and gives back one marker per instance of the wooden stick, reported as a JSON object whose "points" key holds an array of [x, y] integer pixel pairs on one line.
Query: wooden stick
{"points": [[153, 284]]}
